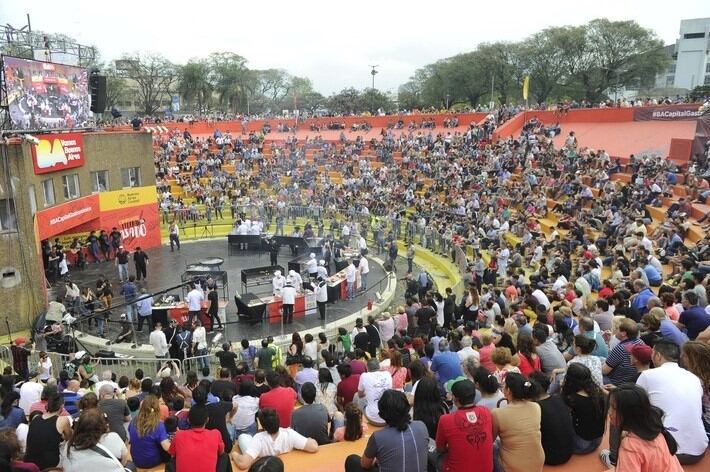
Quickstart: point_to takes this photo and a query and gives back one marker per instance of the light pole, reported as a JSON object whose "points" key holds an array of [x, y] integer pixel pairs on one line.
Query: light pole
{"points": [[447, 102], [374, 72]]}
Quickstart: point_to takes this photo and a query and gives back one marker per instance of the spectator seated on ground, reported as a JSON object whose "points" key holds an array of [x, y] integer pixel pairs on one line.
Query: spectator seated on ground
{"points": [[273, 441]]}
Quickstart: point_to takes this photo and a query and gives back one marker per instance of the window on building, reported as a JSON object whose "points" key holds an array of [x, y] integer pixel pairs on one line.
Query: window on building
{"points": [[693, 35], [48, 188], [33, 199], [99, 181], [71, 186], [8, 219], [707, 80], [707, 67], [671, 68], [669, 80], [131, 177]]}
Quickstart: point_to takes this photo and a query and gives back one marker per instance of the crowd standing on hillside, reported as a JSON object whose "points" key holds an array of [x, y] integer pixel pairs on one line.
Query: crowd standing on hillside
{"points": [[598, 322]]}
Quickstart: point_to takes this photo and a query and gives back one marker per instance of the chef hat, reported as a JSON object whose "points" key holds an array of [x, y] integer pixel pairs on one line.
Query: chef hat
{"points": [[312, 256], [277, 273]]}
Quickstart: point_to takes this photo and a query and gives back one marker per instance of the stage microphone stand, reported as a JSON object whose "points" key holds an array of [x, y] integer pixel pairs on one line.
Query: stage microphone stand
{"points": [[9, 331]]}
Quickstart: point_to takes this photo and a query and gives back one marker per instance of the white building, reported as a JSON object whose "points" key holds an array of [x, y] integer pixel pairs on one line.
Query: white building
{"points": [[690, 65]]}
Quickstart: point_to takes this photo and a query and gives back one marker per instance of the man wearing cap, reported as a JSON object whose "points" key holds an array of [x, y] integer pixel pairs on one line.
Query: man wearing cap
{"points": [[465, 437], [277, 283], [640, 357], [122, 263], [312, 266], [288, 297]]}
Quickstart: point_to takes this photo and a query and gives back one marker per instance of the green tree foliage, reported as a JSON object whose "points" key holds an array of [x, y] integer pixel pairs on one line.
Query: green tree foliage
{"points": [[580, 62], [194, 85], [154, 76]]}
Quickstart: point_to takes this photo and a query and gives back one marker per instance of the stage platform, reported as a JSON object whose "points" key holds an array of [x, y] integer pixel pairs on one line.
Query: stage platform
{"points": [[165, 269]]}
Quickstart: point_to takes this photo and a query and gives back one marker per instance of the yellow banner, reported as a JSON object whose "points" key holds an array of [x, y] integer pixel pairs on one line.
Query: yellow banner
{"points": [[526, 86], [127, 197]]}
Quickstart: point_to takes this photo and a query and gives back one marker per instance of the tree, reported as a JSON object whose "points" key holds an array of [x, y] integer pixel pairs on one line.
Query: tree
{"points": [[373, 100], [300, 95], [194, 85], [500, 59], [347, 101], [617, 54], [232, 80], [154, 76], [116, 87]]}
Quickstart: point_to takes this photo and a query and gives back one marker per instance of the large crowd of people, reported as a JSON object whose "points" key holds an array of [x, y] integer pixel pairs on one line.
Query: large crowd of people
{"points": [[581, 316]]}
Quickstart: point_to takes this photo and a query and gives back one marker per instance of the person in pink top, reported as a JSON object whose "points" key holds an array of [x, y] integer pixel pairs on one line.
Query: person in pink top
{"points": [[668, 300], [397, 370], [645, 445], [486, 350]]}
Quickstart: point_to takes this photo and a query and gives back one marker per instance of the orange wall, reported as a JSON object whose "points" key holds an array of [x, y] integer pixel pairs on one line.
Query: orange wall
{"points": [[203, 127]]}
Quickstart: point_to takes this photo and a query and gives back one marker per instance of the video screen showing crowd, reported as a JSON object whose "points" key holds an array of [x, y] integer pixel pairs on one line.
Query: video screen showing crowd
{"points": [[43, 95]]}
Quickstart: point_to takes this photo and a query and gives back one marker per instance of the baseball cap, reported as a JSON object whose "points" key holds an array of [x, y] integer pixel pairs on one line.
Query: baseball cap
{"points": [[641, 352], [449, 385], [464, 391], [20, 340]]}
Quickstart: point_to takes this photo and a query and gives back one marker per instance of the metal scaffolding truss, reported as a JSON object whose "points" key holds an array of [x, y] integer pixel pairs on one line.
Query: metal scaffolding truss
{"points": [[27, 43]]}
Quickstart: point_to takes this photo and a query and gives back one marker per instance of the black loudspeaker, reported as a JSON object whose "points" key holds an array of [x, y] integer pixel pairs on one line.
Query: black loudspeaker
{"points": [[105, 354], [97, 85]]}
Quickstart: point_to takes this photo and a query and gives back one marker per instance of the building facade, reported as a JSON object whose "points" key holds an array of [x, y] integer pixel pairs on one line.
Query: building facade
{"points": [[63, 187], [690, 63]]}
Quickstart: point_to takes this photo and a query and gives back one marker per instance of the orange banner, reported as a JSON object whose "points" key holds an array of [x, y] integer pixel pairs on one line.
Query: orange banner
{"points": [[139, 225], [61, 218]]}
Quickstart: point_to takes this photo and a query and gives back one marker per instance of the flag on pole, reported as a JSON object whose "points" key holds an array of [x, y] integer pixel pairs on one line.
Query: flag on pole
{"points": [[526, 86]]}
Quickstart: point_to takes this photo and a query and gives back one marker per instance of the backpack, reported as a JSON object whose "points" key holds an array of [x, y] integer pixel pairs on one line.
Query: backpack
{"points": [[183, 341]]}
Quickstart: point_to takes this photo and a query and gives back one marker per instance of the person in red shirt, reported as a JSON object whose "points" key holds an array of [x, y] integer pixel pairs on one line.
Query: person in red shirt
{"points": [[280, 398], [465, 437], [348, 385], [198, 449]]}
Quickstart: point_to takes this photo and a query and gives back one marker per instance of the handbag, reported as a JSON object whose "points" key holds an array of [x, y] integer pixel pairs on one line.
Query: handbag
{"points": [[99, 449]]}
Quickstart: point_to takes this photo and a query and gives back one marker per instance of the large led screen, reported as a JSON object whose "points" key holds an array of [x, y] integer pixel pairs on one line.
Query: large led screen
{"points": [[46, 96]]}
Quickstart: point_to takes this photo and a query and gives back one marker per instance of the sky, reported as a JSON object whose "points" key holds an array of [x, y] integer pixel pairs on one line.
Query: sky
{"points": [[331, 42]]}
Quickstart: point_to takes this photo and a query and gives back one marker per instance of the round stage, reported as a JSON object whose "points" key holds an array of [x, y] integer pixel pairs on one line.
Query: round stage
{"points": [[165, 269]]}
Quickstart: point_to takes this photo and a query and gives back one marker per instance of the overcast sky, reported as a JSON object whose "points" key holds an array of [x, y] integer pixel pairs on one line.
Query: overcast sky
{"points": [[331, 42]]}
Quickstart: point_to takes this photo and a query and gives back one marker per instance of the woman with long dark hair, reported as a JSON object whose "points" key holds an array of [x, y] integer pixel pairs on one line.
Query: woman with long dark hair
{"points": [[487, 384], [428, 404], [326, 392], [294, 354], [518, 426], [696, 358], [93, 447], [528, 360], [586, 402], [645, 444], [354, 427], [11, 415], [401, 445]]}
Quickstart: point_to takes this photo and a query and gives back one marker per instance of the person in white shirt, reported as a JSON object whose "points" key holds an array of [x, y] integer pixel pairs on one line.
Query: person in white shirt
{"points": [[312, 266], [350, 277], [278, 283], [346, 235], [679, 393], [273, 441], [371, 386], [364, 268], [321, 291], [542, 298], [295, 279], [199, 344], [467, 351], [158, 341], [322, 271], [387, 326], [106, 379], [30, 392], [288, 297], [194, 300], [362, 245]]}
